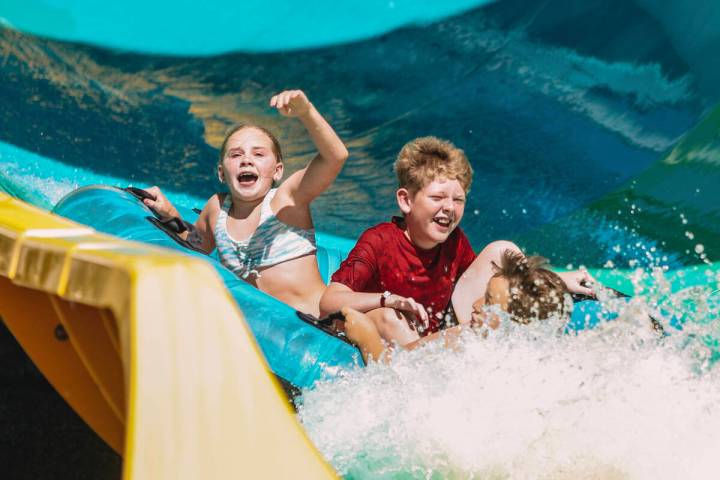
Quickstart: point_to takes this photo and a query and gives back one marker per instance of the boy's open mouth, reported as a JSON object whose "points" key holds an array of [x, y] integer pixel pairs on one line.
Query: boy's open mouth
{"points": [[443, 222], [247, 178]]}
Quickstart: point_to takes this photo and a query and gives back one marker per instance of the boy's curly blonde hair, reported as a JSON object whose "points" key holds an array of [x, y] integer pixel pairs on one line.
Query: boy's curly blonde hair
{"points": [[426, 159]]}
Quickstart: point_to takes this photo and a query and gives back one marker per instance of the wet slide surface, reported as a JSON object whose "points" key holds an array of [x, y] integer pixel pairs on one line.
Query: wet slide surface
{"points": [[593, 127]]}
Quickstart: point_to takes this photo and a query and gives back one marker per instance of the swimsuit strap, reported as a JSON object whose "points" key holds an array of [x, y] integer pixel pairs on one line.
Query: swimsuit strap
{"points": [[266, 211], [223, 213]]}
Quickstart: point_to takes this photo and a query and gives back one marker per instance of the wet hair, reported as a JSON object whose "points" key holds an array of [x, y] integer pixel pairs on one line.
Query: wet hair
{"points": [[535, 292], [426, 159], [275, 143]]}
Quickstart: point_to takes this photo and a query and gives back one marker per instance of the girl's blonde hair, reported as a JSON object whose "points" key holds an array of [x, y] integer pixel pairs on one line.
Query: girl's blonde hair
{"points": [[275, 143]]}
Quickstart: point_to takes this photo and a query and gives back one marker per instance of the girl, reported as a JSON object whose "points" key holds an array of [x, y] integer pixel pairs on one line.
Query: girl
{"points": [[265, 235]]}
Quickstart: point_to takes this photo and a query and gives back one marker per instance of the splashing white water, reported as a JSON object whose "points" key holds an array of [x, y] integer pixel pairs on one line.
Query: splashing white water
{"points": [[527, 402]]}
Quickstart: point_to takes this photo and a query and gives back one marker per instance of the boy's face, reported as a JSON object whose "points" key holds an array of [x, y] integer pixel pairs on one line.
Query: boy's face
{"points": [[249, 166], [433, 212]]}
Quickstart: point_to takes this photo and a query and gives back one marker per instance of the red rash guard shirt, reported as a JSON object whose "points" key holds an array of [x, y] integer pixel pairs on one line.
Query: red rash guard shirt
{"points": [[385, 259]]}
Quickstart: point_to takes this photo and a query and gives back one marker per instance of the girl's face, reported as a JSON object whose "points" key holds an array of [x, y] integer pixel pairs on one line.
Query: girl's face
{"points": [[249, 166]]}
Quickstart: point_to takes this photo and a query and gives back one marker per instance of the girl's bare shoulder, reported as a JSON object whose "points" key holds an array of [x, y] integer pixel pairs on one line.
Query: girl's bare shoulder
{"points": [[214, 203], [213, 206]]}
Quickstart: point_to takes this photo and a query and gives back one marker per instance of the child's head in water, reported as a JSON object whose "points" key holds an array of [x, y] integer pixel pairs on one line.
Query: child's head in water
{"points": [[523, 287], [250, 162]]}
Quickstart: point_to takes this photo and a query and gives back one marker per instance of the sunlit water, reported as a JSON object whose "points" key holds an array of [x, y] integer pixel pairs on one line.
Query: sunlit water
{"points": [[528, 402]]}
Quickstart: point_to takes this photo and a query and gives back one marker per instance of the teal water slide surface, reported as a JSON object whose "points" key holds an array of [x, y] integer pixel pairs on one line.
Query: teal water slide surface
{"points": [[185, 27]]}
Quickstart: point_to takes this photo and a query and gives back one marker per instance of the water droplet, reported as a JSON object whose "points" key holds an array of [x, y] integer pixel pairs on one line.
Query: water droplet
{"points": [[699, 248]]}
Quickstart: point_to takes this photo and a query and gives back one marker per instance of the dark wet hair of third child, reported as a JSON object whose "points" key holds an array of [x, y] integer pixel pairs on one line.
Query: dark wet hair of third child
{"points": [[535, 292]]}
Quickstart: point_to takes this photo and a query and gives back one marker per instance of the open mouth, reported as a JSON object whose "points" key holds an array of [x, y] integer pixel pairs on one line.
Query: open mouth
{"points": [[247, 178], [442, 222]]}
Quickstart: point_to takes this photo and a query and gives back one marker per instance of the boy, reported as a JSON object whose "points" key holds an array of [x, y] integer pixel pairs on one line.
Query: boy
{"points": [[402, 273], [520, 286]]}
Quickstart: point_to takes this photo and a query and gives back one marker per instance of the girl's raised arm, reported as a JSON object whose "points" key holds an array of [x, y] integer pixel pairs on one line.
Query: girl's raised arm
{"points": [[307, 184]]}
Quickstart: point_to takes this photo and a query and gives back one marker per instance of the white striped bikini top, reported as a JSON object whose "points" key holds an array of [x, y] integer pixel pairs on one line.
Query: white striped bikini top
{"points": [[273, 241]]}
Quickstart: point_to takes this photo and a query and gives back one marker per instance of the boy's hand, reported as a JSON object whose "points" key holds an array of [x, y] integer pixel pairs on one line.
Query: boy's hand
{"points": [[161, 205], [578, 281], [291, 103], [408, 305]]}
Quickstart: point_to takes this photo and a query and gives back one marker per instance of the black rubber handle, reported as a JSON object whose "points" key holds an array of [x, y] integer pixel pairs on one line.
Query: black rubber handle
{"points": [[173, 226], [139, 193], [580, 297], [325, 324]]}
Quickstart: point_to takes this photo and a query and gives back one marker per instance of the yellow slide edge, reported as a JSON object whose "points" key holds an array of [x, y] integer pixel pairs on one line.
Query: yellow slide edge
{"points": [[150, 349]]}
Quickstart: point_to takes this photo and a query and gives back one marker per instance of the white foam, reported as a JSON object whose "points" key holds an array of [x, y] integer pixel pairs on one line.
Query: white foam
{"points": [[528, 403]]}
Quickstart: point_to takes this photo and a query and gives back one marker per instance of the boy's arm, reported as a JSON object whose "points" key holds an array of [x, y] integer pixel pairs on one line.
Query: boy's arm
{"points": [[348, 283], [338, 295], [355, 272], [307, 184]]}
